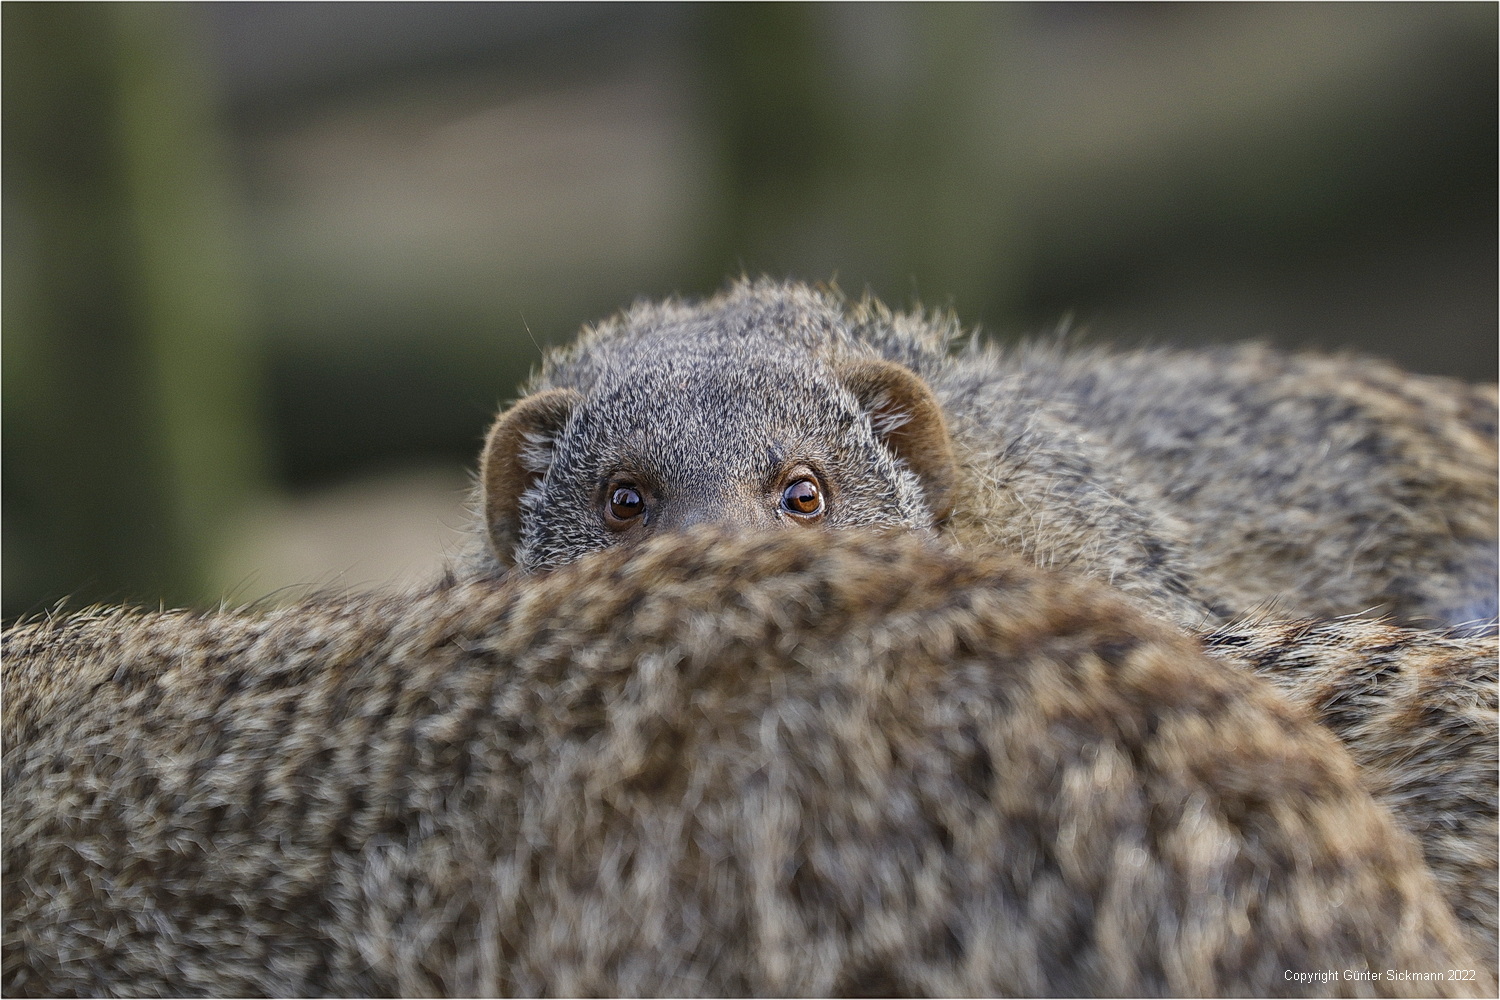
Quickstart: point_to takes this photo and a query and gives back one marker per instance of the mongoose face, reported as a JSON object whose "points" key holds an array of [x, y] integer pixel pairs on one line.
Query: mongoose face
{"points": [[664, 432]]}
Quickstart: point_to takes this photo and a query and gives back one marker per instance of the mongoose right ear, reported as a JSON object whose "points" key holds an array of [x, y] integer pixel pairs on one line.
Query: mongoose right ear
{"points": [[516, 456], [908, 420]]}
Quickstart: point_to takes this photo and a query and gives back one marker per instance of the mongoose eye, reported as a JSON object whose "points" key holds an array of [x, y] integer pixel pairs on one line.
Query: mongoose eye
{"points": [[803, 498], [625, 505]]}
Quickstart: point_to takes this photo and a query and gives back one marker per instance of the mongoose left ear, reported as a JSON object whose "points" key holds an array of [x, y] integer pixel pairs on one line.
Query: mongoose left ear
{"points": [[908, 420], [516, 456]]}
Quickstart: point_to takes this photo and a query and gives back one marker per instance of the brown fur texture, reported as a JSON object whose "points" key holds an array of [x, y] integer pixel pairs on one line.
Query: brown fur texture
{"points": [[1418, 712], [811, 763]]}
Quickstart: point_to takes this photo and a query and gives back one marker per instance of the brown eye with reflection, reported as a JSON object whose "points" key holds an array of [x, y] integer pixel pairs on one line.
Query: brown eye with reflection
{"points": [[625, 505], [803, 498]]}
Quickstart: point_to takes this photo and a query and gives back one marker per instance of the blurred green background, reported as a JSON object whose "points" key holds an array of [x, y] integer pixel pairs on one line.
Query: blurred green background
{"points": [[269, 269]]}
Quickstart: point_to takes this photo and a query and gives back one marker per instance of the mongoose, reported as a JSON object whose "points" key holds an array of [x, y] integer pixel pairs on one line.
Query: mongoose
{"points": [[1337, 484], [711, 764], [1202, 483], [1418, 711]]}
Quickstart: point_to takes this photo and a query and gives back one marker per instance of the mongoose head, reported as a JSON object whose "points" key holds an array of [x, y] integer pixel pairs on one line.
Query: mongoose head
{"points": [[659, 430]]}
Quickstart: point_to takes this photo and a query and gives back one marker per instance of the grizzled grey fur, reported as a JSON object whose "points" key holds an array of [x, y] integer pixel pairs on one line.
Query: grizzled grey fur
{"points": [[1204, 484]]}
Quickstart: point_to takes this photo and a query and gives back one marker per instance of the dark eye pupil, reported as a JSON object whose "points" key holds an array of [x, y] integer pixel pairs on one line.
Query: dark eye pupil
{"points": [[802, 497], [625, 503]]}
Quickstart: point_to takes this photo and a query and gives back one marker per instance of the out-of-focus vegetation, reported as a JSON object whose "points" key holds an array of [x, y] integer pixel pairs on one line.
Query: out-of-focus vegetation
{"points": [[269, 268], [130, 382]]}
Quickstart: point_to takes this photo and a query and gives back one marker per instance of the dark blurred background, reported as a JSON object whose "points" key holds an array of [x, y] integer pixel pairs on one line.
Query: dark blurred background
{"points": [[270, 268]]}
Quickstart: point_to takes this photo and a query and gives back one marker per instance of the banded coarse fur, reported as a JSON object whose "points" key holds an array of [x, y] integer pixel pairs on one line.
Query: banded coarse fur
{"points": [[817, 763], [1418, 712]]}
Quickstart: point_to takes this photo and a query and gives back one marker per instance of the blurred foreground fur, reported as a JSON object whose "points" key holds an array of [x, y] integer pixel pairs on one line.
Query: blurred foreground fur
{"points": [[1418, 711], [817, 763]]}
